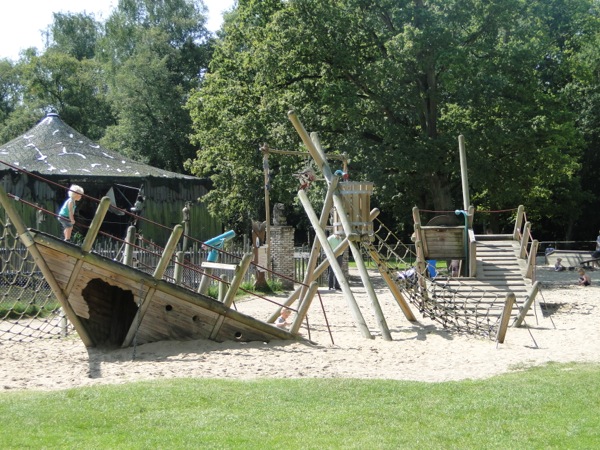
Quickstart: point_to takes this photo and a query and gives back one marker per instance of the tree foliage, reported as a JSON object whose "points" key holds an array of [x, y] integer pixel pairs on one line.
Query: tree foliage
{"points": [[123, 82], [155, 52], [393, 84]]}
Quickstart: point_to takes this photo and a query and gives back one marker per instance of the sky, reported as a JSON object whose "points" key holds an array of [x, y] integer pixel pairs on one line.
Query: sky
{"points": [[22, 21]]}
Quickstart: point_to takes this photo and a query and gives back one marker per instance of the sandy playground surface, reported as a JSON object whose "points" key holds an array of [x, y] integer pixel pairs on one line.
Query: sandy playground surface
{"points": [[567, 331]]}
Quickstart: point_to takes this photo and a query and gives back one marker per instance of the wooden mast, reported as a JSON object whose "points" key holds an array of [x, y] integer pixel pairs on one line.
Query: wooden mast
{"points": [[314, 148]]}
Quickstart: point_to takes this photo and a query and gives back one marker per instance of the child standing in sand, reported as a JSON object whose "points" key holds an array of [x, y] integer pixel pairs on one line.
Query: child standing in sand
{"points": [[584, 278], [281, 321], [558, 267]]}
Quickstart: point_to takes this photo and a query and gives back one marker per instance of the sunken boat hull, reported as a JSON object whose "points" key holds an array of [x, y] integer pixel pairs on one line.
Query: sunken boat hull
{"points": [[118, 305]]}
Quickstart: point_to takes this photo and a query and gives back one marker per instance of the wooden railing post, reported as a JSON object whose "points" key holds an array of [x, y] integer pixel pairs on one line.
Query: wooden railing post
{"points": [[525, 240], [161, 267], [532, 257], [178, 272], [519, 222], [508, 306], [128, 252], [94, 228]]}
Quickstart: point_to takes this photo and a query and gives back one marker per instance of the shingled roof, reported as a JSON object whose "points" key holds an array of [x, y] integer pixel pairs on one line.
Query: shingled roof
{"points": [[54, 148]]}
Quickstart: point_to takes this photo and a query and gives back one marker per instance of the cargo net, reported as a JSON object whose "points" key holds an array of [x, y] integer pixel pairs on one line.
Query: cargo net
{"points": [[29, 309], [443, 298]]}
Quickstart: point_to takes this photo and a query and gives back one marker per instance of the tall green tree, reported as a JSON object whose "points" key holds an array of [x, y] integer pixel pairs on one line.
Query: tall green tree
{"points": [[58, 82], [230, 120], [583, 90], [75, 34], [393, 83], [154, 52], [15, 117], [64, 78]]}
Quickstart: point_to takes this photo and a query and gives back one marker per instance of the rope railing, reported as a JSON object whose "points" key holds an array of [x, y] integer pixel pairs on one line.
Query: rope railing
{"points": [[447, 300]]}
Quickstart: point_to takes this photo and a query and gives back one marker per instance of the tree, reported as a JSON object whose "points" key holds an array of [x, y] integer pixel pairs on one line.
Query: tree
{"points": [[231, 121], [75, 35], [154, 51], [393, 84], [14, 117], [65, 79], [583, 91], [57, 82]]}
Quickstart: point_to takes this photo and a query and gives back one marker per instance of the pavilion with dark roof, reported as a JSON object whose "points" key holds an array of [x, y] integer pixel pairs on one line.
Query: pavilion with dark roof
{"points": [[42, 163]]}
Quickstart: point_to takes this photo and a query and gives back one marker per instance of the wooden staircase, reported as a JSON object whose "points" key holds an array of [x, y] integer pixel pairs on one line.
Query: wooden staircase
{"points": [[498, 265], [494, 268], [499, 271]]}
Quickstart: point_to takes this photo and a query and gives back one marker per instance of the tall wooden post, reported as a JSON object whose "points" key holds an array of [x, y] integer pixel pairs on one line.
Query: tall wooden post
{"points": [[508, 306], [39, 260], [313, 145], [258, 246], [185, 212], [267, 181], [463, 172], [337, 270]]}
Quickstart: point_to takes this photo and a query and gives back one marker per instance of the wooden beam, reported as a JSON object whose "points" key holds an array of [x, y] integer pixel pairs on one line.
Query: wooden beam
{"points": [[233, 288], [531, 259], [525, 240], [29, 242], [95, 225], [337, 270], [391, 284], [508, 306], [527, 305], [168, 252], [519, 223]]}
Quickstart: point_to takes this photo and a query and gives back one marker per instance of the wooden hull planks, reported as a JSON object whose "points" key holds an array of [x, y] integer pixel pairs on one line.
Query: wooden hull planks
{"points": [[119, 305]]}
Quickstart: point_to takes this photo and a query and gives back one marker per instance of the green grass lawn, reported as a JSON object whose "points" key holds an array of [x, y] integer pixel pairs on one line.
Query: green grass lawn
{"points": [[557, 406]]}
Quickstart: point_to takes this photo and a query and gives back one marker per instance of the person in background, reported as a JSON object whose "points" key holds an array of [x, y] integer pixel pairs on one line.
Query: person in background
{"points": [[596, 254], [558, 267], [584, 278], [454, 268], [66, 214]]}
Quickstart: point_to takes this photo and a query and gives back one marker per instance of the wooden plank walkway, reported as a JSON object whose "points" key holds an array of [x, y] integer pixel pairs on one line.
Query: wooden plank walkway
{"points": [[499, 271]]}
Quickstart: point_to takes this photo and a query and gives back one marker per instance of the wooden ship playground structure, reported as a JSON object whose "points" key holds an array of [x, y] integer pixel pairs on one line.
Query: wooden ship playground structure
{"points": [[125, 301]]}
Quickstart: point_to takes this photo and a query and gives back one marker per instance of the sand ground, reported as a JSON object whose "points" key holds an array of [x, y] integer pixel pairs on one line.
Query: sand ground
{"points": [[566, 328]]}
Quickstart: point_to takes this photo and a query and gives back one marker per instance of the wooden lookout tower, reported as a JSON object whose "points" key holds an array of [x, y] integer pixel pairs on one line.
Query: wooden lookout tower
{"points": [[353, 220], [356, 198]]}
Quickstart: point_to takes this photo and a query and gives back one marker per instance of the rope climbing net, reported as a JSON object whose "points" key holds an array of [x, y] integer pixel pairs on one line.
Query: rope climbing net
{"points": [[443, 298], [28, 308]]}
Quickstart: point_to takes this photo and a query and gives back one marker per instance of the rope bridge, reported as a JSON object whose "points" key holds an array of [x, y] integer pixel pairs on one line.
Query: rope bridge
{"points": [[454, 304]]}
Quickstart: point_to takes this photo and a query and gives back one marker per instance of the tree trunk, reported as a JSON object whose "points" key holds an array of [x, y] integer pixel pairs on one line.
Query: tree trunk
{"points": [[440, 194]]}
